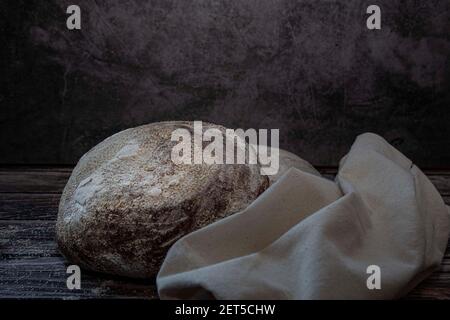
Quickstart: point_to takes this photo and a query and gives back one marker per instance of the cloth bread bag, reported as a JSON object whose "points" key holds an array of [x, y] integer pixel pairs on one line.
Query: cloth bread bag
{"points": [[307, 237]]}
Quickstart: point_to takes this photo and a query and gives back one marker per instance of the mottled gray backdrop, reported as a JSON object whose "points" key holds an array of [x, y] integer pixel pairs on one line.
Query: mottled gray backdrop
{"points": [[310, 68]]}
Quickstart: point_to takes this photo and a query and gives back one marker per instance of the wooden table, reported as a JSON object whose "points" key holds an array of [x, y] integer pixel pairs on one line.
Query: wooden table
{"points": [[32, 267]]}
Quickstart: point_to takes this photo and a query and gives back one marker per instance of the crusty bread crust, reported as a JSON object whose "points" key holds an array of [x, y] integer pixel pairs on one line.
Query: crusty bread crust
{"points": [[126, 202]]}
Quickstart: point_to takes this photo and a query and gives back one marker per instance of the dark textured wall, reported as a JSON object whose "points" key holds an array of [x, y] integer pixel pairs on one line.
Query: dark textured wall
{"points": [[310, 68]]}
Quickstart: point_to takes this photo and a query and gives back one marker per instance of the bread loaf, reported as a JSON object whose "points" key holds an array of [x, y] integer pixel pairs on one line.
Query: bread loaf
{"points": [[126, 202]]}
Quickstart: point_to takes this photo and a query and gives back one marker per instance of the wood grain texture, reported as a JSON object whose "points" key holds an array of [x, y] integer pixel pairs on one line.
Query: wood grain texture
{"points": [[29, 206], [45, 277], [33, 180], [32, 267], [27, 240]]}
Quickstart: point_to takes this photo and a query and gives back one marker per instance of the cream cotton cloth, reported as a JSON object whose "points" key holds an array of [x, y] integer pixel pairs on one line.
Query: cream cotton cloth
{"points": [[307, 237]]}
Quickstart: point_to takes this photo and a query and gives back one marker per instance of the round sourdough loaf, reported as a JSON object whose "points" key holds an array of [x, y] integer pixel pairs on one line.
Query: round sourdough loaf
{"points": [[126, 202]]}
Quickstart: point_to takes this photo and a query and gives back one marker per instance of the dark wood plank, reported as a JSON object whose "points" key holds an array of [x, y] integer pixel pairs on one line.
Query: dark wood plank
{"points": [[446, 200], [32, 266], [34, 180], [27, 239], [46, 277], [428, 291], [29, 206], [437, 285], [442, 183]]}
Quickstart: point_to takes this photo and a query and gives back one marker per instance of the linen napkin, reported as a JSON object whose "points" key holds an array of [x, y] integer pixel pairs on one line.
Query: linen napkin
{"points": [[307, 237]]}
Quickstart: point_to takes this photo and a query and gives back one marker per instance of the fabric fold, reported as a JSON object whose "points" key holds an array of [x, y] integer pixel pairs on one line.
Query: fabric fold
{"points": [[307, 237]]}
